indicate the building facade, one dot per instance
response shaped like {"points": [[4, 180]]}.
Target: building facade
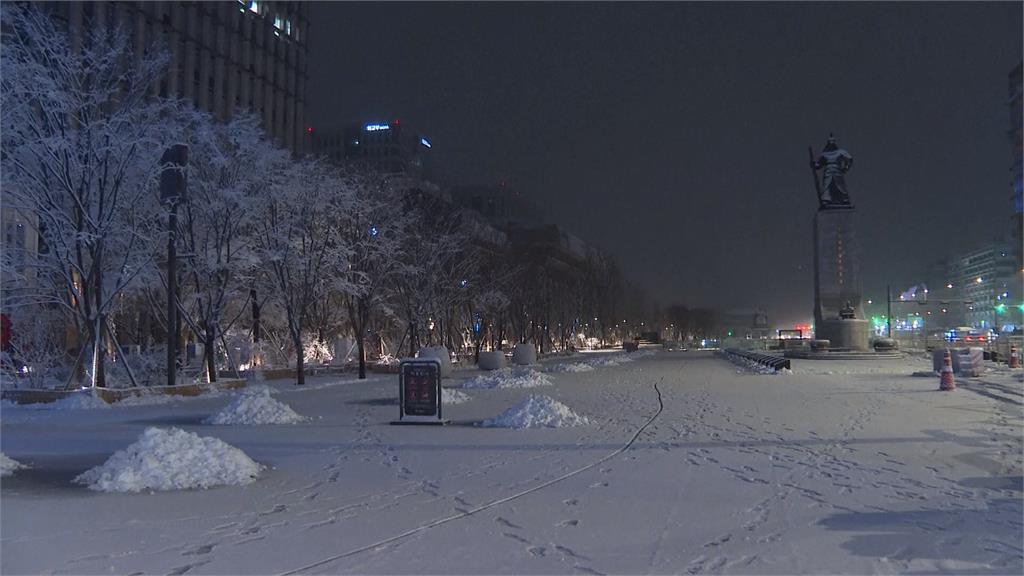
{"points": [[1017, 191], [224, 56], [986, 278], [391, 147]]}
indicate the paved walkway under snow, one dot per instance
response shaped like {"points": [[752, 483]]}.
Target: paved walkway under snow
{"points": [[835, 468]]}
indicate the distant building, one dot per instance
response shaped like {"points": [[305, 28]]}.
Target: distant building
{"points": [[748, 324], [390, 147], [1016, 184], [1017, 195], [986, 277], [502, 205], [242, 54]]}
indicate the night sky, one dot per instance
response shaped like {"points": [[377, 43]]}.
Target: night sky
{"points": [[674, 136]]}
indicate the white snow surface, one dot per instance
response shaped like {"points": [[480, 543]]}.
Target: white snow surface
{"points": [[171, 459], [570, 367], [254, 406], [842, 467], [513, 377], [8, 465], [453, 396], [536, 411]]}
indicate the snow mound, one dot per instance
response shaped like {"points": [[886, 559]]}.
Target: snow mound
{"points": [[9, 465], [520, 377], [536, 412], [171, 459], [571, 367], [253, 407], [610, 361], [450, 396]]}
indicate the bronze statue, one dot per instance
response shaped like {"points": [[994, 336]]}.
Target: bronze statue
{"points": [[836, 162]]}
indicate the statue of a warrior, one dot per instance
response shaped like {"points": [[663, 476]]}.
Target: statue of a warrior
{"points": [[835, 161]]}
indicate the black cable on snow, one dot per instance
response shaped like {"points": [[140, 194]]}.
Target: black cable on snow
{"points": [[481, 508]]}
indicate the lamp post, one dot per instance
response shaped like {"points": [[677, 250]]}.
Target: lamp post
{"points": [[173, 185]]}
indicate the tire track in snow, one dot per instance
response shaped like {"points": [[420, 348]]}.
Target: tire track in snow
{"points": [[492, 504]]}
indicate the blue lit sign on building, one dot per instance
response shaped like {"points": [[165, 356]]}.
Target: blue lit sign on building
{"points": [[376, 127]]}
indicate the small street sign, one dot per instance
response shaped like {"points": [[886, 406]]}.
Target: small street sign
{"points": [[419, 392]]}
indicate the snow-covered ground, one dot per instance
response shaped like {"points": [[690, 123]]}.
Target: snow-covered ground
{"points": [[686, 463]]}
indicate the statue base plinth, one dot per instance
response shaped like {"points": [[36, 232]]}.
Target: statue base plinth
{"points": [[844, 334]]}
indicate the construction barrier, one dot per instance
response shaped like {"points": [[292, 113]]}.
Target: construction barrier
{"points": [[774, 362]]}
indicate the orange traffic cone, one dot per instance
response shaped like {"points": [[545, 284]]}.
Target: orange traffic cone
{"points": [[946, 376], [1013, 356]]}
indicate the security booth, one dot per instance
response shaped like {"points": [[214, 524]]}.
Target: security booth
{"points": [[419, 392]]}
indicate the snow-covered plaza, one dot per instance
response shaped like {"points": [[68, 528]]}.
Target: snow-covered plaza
{"points": [[671, 462]]}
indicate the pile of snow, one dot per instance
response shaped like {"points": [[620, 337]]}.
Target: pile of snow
{"points": [[610, 361], [9, 465], [171, 459], [450, 396], [571, 367], [536, 412], [255, 406], [509, 378]]}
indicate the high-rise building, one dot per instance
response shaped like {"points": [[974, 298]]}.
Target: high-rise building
{"points": [[391, 147], [1016, 183], [224, 56], [986, 277]]}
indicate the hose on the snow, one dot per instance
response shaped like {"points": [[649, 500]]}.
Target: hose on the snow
{"points": [[481, 508]]}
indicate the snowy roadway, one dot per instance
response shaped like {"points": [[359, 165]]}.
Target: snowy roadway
{"points": [[837, 467]]}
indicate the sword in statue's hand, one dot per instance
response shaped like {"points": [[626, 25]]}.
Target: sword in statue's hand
{"points": [[814, 174]]}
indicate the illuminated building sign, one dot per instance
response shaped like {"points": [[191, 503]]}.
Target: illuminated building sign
{"points": [[376, 127], [425, 142]]}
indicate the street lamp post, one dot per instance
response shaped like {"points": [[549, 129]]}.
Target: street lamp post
{"points": [[173, 186]]}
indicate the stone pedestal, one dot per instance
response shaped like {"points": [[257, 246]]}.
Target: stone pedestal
{"points": [[837, 280], [844, 334]]}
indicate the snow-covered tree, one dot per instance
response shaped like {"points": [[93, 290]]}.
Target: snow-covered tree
{"points": [[373, 231], [231, 165], [81, 148], [434, 260], [297, 245]]}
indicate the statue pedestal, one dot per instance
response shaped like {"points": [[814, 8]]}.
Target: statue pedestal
{"points": [[844, 334], [837, 281]]}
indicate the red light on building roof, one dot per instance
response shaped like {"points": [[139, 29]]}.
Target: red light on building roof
{"points": [[396, 122], [309, 129]]}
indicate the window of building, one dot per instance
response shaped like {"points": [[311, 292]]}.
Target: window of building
{"points": [[254, 6]]}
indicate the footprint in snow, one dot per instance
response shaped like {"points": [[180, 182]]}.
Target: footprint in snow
{"points": [[505, 522], [516, 537]]}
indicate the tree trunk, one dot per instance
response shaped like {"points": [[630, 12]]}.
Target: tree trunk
{"points": [[300, 360], [413, 341], [209, 353], [361, 342]]}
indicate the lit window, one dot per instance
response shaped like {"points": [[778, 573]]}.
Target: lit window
{"points": [[254, 6], [278, 22], [288, 27]]}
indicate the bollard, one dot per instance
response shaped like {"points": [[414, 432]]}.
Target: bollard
{"points": [[1013, 356], [946, 376]]}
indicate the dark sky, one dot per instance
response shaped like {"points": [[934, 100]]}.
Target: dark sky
{"points": [[675, 136]]}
